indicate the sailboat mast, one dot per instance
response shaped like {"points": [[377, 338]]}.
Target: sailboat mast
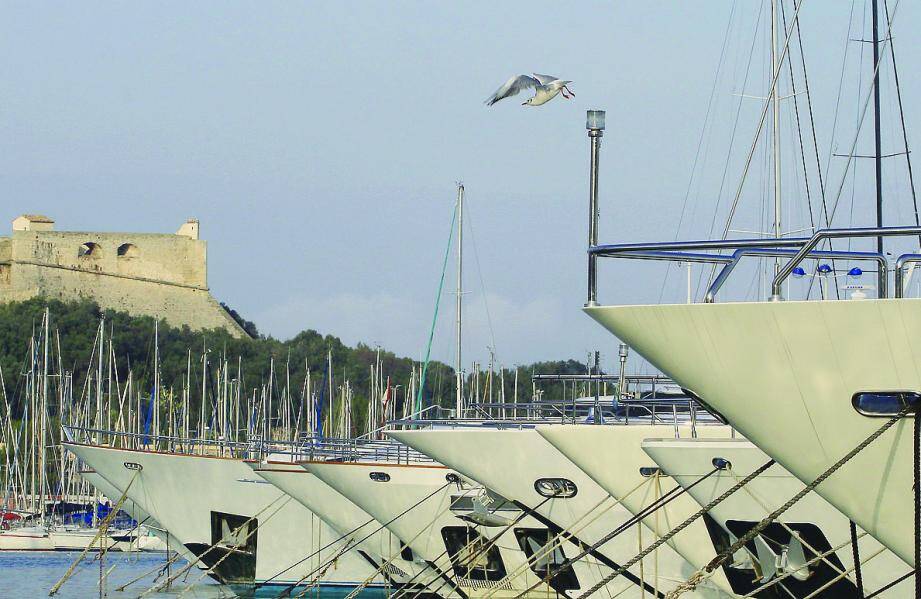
{"points": [[878, 155], [775, 104], [44, 409], [458, 368], [101, 337]]}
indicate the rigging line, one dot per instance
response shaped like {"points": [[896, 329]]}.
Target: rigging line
{"points": [[441, 284], [898, 95], [764, 111], [700, 140], [476, 257], [815, 143], [834, 125], [732, 139], [863, 114]]}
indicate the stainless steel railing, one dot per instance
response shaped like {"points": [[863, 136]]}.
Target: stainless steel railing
{"points": [[796, 249]]}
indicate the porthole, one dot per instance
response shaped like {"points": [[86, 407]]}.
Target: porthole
{"points": [[648, 471], [561, 488], [379, 477], [886, 403]]}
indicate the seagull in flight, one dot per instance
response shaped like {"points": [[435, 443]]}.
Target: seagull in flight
{"points": [[546, 87]]}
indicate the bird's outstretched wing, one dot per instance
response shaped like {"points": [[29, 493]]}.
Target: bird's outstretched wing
{"points": [[512, 87], [545, 79]]}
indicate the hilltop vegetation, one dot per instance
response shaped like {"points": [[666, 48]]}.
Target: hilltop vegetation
{"points": [[76, 326]]}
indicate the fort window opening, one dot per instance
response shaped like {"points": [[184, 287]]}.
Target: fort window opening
{"points": [[127, 250], [90, 249]]}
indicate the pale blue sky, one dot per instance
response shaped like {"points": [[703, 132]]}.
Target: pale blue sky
{"points": [[319, 143]]}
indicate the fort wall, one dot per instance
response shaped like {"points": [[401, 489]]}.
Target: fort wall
{"points": [[149, 274]]}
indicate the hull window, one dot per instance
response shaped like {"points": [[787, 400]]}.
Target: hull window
{"points": [[776, 552], [561, 488], [472, 555], [233, 552], [549, 564], [886, 403], [379, 477]]}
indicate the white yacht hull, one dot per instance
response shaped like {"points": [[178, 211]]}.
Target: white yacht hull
{"points": [[195, 496], [510, 461], [612, 456], [344, 517], [415, 503], [824, 527], [161, 540], [784, 373]]}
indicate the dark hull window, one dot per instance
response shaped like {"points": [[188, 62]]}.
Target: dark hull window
{"points": [[779, 542], [233, 541], [886, 403], [469, 555], [549, 566]]}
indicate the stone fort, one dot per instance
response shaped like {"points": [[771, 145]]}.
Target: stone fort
{"points": [[144, 274]]}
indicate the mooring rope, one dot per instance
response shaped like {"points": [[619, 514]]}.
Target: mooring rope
{"points": [[690, 520], [390, 560], [820, 556], [639, 517], [103, 529], [575, 528], [188, 567], [249, 534], [294, 585], [481, 550], [695, 579]]}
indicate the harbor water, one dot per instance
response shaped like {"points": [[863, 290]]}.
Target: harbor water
{"points": [[31, 574]]}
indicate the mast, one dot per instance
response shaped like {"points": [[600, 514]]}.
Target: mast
{"points": [[102, 332], [458, 369], [775, 105], [878, 155], [156, 408], [42, 423]]}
